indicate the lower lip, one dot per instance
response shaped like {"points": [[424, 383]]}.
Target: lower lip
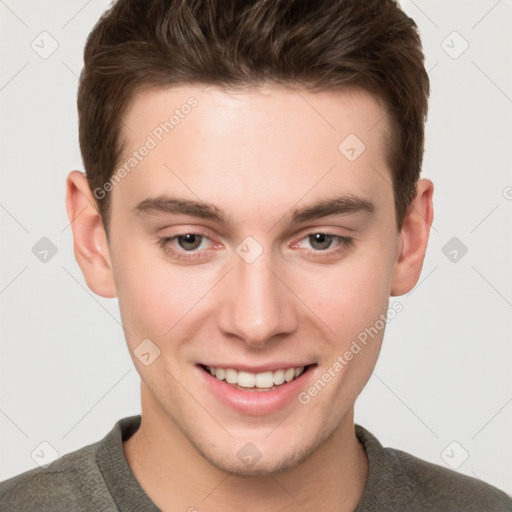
{"points": [[254, 402]]}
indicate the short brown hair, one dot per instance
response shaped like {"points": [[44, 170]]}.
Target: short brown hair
{"points": [[318, 45]]}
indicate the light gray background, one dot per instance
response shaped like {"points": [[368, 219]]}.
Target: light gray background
{"points": [[444, 371]]}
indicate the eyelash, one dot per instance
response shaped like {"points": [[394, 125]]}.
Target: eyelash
{"points": [[345, 243]]}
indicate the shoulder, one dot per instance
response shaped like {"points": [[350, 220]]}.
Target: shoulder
{"points": [[70, 483], [443, 488], [398, 481]]}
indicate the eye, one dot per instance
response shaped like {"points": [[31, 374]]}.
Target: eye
{"points": [[190, 241], [323, 243], [321, 240], [187, 246]]}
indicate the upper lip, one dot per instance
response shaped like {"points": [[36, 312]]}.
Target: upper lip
{"points": [[269, 367]]}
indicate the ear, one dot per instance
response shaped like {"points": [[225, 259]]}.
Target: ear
{"points": [[90, 241], [413, 239]]}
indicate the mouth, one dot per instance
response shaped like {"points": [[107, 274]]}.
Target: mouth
{"points": [[265, 390], [265, 381]]}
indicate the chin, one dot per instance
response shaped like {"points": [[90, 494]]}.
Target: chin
{"points": [[263, 467], [270, 460]]}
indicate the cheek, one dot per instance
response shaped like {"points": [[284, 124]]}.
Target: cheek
{"points": [[350, 295], [153, 294]]}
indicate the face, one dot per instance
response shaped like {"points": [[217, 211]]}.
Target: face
{"points": [[255, 241]]}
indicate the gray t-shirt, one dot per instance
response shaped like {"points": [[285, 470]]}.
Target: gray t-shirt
{"points": [[97, 477]]}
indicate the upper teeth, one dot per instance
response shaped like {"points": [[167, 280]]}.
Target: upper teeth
{"points": [[264, 380]]}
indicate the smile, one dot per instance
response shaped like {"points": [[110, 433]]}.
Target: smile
{"points": [[265, 390], [264, 381]]}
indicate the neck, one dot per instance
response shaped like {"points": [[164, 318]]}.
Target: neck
{"points": [[176, 477]]}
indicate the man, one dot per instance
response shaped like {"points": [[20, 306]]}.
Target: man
{"points": [[252, 199]]}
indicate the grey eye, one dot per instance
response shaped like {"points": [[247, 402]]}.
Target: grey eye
{"points": [[189, 241], [322, 240]]}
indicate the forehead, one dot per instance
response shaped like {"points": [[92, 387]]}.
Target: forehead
{"points": [[266, 107], [263, 144]]}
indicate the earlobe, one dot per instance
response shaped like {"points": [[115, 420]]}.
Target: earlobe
{"points": [[413, 240], [89, 238]]}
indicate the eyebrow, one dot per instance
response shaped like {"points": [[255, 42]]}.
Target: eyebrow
{"points": [[339, 205]]}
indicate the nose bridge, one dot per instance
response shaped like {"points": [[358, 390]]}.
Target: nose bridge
{"points": [[257, 305]]}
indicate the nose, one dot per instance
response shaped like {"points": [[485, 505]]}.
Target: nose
{"points": [[256, 306]]}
